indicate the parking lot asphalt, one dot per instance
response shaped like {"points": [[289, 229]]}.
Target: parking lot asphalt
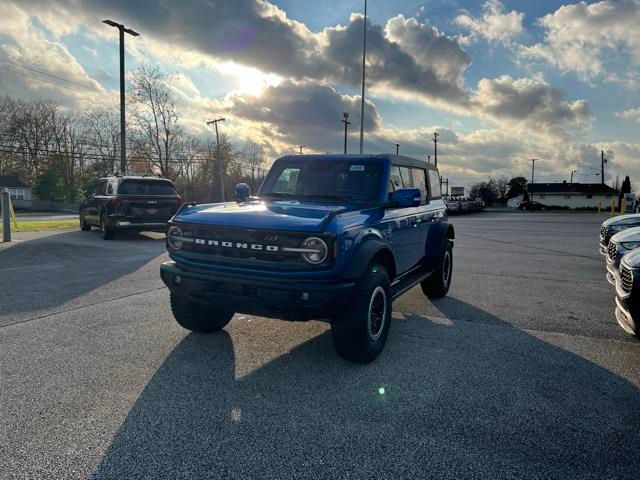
{"points": [[521, 372]]}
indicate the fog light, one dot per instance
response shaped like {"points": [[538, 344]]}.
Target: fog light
{"points": [[177, 279], [305, 296]]}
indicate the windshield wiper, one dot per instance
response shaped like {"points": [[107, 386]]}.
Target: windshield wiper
{"points": [[327, 196], [275, 195]]}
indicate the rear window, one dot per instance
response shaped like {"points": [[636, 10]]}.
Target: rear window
{"points": [[146, 187]]}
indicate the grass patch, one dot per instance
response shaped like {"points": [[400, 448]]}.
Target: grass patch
{"points": [[47, 225]]}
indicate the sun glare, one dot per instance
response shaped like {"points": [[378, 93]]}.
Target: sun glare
{"points": [[249, 80]]}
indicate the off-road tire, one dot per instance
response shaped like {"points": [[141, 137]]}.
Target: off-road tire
{"points": [[106, 232], [361, 333], [437, 285], [84, 226], [199, 317]]}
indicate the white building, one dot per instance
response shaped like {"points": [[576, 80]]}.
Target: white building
{"points": [[573, 195], [19, 191]]}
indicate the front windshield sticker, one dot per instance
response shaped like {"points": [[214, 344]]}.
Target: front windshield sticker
{"points": [[357, 168]]}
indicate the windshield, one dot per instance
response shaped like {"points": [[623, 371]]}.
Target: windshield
{"points": [[325, 180], [146, 187]]}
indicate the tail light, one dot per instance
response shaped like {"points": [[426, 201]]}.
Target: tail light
{"points": [[117, 202], [180, 201]]}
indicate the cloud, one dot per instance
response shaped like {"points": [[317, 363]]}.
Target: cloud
{"points": [[257, 34], [583, 37], [304, 113], [30, 63], [495, 25], [630, 113], [531, 104]]}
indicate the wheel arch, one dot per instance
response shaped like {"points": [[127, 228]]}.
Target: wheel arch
{"points": [[370, 251]]}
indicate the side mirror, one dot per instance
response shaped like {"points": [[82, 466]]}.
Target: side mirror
{"points": [[406, 197], [242, 192]]}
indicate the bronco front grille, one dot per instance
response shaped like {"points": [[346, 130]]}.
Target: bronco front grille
{"points": [[626, 279], [253, 248], [612, 251]]}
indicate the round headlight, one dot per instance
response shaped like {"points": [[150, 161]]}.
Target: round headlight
{"points": [[316, 250], [173, 238]]}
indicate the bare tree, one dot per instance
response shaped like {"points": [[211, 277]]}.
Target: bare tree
{"points": [[155, 117], [34, 124], [502, 186], [255, 163], [103, 135]]}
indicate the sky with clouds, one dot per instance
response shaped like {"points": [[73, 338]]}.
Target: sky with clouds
{"points": [[501, 81]]}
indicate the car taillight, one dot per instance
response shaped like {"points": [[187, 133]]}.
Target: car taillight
{"points": [[117, 202], [180, 201]]}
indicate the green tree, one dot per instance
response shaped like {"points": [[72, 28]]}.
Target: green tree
{"points": [[517, 186], [48, 185]]}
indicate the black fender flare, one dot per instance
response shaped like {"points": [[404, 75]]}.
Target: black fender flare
{"points": [[366, 252], [438, 235]]}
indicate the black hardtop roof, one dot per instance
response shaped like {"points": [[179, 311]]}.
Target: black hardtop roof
{"points": [[394, 159]]}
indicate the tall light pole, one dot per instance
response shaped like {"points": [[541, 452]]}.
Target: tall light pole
{"points": [[572, 172], [533, 170], [603, 160], [397, 149], [218, 157], [346, 122], [300, 147], [123, 146], [364, 60]]}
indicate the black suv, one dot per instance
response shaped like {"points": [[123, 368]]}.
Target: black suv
{"points": [[134, 203]]}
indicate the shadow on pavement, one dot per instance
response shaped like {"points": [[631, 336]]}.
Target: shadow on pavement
{"points": [[460, 400], [55, 268]]}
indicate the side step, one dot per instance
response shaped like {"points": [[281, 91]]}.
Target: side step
{"points": [[408, 281]]}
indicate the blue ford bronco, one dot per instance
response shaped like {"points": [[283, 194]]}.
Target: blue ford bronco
{"points": [[328, 237]]}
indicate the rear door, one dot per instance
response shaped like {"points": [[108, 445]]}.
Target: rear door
{"points": [[402, 224], [148, 201], [95, 201]]}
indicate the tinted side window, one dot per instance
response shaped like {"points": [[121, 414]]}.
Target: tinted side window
{"points": [[101, 187], [420, 181], [405, 173], [434, 184]]}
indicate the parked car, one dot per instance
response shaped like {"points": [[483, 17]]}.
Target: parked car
{"points": [[628, 293], [531, 205], [614, 225], [134, 203], [620, 244], [452, 204], [334, 237]]}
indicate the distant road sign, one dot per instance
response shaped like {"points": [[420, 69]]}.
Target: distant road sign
{"points": [[457, 191]]}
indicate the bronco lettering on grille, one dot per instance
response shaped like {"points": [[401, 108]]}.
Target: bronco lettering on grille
{"points": [[239, 245]]}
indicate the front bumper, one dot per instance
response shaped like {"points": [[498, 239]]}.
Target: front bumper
{"points": [[612, 270], [625, 318], [286, 299]]}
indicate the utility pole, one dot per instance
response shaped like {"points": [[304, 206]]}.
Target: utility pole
{"points": [[435, 147], [533, 169], [219, 158], [397, 149], [444, 182], [364, 59], [602, 162], [300, 147], [346, 122], [123, 146]]}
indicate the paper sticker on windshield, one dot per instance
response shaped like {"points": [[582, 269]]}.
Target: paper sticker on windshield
{"points": [[357, 168]]}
